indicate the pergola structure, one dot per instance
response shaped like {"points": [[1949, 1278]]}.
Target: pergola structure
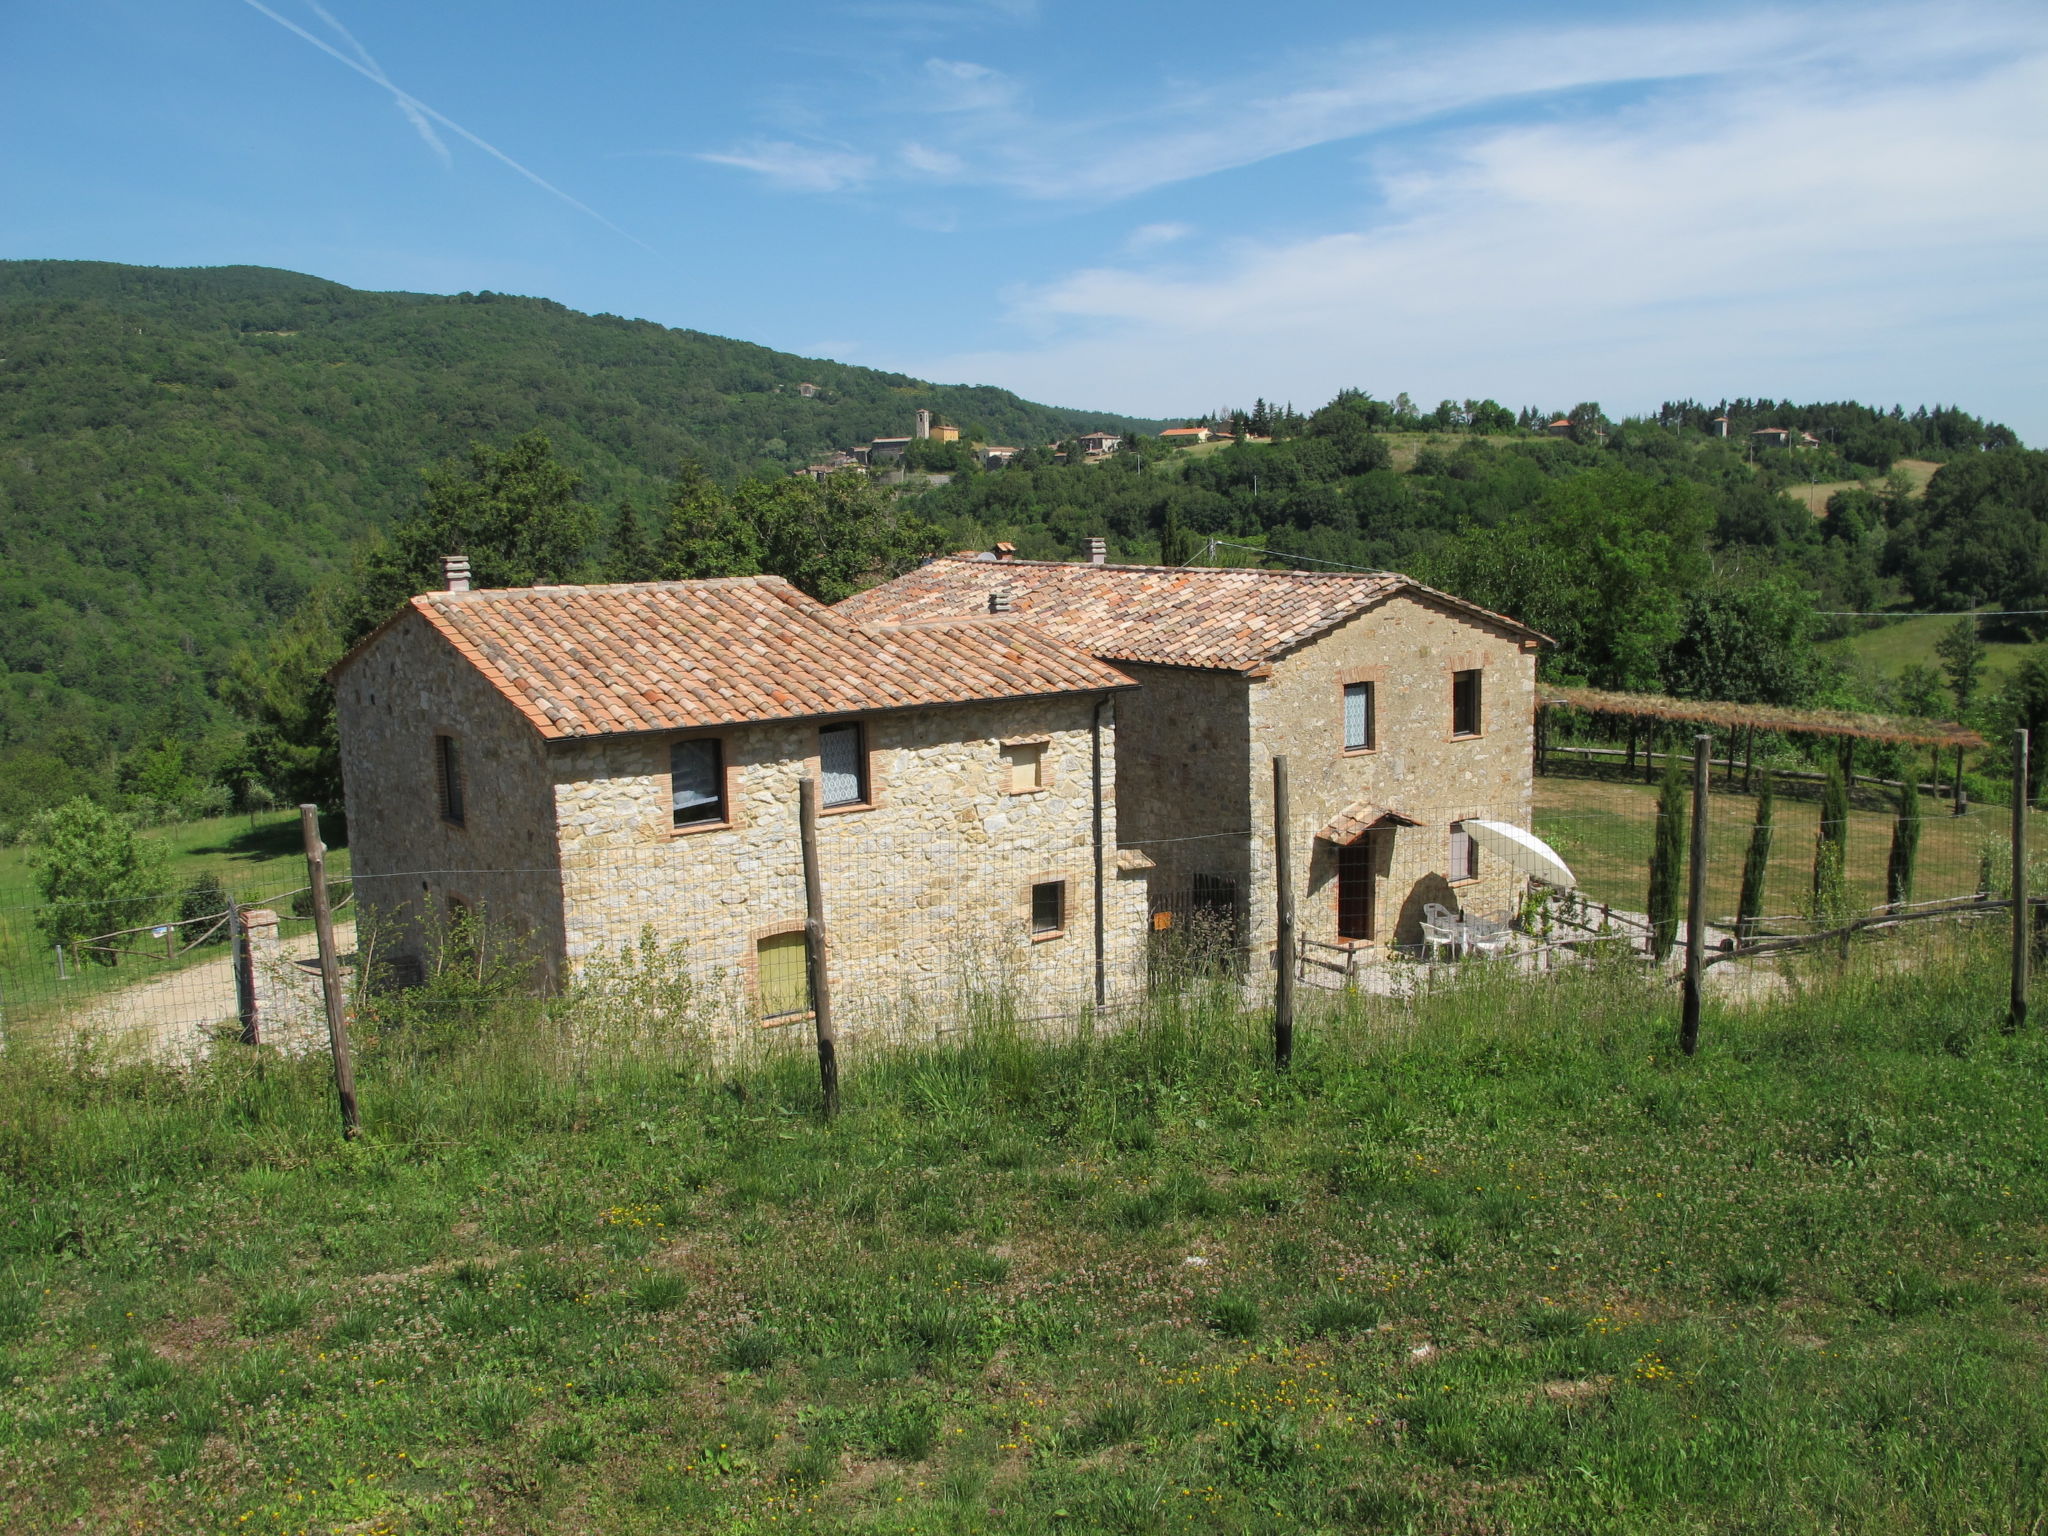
{"points": [[1740, 723]]}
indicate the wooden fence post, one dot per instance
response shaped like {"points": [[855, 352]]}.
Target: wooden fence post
{"points": [[330, 972], [814, 948], [2017, 1014], [1696, 897], [1283, 879], [245, 975]]}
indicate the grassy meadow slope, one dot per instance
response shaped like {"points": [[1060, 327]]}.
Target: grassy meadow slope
{"points": [[1496, 1261], [182, 452]]}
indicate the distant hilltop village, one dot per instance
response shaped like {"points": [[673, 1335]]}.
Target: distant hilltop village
{"points": [[928, 428]]}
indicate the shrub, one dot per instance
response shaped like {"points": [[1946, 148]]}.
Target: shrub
{"points": [[1749, 907], [203, 899], [1667, 860], [94, 874]]}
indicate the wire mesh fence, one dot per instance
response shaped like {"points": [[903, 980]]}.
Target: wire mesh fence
{"points": [[632, 950]]}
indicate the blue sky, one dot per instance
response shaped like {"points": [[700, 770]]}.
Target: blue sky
{"points": [[1150, 208]]}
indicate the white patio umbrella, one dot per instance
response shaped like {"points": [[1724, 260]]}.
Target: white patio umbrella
{"points": [[1522, 849]]}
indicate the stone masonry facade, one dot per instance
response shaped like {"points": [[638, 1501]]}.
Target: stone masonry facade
{"points": [[413, 867], [927, 886], [566, 849]]}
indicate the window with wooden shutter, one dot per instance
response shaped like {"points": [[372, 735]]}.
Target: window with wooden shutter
{"points": [[843, 765], [783, 975], [1464, 854]]}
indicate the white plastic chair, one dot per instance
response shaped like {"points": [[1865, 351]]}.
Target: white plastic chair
{"points": [[1437, 937]]}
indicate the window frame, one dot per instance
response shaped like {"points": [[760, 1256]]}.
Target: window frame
{"points": [[451, 783], [864, 756], [722, 777], [1372, 715], [1478, 686], [801, 934], [1058, 887], [1042, 745]]}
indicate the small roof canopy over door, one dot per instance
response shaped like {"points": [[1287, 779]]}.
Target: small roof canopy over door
{"points": [[1359, 818], [1521, 849]]}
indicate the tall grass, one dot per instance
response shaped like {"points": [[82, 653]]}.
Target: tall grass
{"points": [[1496, 1257]]}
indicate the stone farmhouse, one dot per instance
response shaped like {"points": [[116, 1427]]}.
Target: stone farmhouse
{"points": [[579, 763], [1403, 712]]}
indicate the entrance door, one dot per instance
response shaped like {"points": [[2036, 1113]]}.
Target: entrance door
{"points": [[1355, 889]]}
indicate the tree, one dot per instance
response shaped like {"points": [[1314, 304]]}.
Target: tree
{"points": [[1176, 544], [1756, 866], [1667, 860], [94, 874], [1905, 852], [631, 559], [1604, 563], [1831, 847], [1751, 644], [701, 534], [1962, 661]]}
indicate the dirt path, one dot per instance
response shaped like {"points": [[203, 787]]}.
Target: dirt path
{"points": [[175, 1017]]}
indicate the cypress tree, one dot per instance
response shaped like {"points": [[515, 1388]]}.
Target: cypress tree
{"points": [[1667, 861], [1755, 867], [631, 560], [1898, 875], [1831, 846]]}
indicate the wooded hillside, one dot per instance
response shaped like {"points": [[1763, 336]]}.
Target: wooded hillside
{"points": [[184, 453]]}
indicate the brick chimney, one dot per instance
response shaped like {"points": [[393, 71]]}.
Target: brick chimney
{"points": [[1006, 551], [999, 600], [1098, 551], [455, 572]]}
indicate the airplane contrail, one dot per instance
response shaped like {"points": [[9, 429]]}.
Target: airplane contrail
{"points": [[406, 99], [412, 113]]}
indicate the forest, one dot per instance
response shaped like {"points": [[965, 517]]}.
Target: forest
{"points": [[215, 479], [186, 455]]}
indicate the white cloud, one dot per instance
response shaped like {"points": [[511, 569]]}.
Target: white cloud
{"points": [[797, 167], [1149, 237], [932, 162], [1818, 233], [958, 85], [1346, 91]]}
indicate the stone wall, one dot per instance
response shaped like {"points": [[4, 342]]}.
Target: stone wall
{"points": [[927, 891], [1408, 647], [1185, 748], [410, 863]]}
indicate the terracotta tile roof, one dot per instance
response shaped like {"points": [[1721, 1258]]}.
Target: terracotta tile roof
{"points": [[1183, 431], [655, 656], [1174, 615]]}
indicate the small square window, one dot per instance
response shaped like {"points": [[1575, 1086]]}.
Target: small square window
{"points": [[1024, 766], [1464, 854], [696, 772], [1358, 717], [448, 778], [843, 762], [1048, 908], [1465, 709]]}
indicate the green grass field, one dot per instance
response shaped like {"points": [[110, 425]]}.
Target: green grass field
{"points": [[1891, 648], [1603, 829], [1497, 1261], [253, 857]]}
